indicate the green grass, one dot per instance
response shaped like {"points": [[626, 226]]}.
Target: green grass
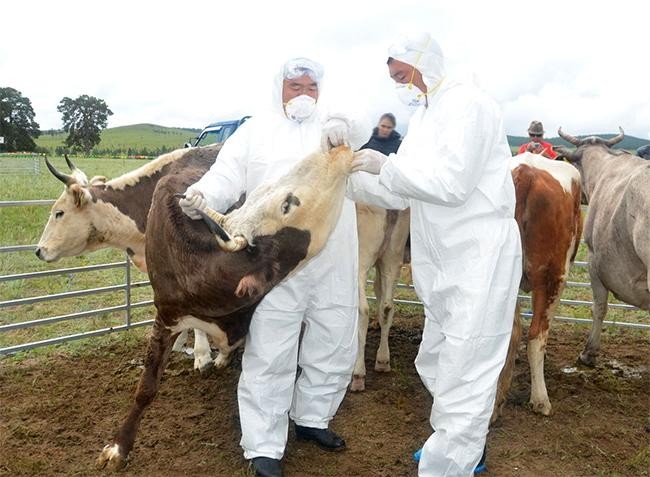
{"points": [[136, 137], [23, 226]]}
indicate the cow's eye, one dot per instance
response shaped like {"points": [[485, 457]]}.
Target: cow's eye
{"points": [[58, 214], [290, 201]]}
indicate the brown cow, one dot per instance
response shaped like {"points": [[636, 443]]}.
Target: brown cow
{"points": [[215, 285], [550, 223]]}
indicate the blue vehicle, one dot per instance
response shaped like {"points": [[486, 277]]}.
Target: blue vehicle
{"points": [[216, 132]]}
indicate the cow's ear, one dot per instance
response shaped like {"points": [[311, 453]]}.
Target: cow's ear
{"points": [[97, 180], [80, 195]]}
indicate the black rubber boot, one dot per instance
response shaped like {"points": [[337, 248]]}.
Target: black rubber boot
{"points": [[266, 467], [324, 438]]}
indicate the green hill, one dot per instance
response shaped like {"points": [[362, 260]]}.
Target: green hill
{"points": [[136, 139]]}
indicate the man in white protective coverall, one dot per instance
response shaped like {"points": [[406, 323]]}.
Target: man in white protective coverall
{"points": [[323, 296], [452, 171]]}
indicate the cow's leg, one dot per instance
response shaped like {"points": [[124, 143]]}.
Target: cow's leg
{"points": [[180, 342], [202, 352], [598, 310], [114, 455], [505, 377], [546, 296], [225, 349], [359, 374], [388, 268]]}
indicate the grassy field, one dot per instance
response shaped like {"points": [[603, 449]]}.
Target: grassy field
{"points": [[136, 137], [23, 225]]}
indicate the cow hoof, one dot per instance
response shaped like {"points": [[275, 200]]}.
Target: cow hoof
{"points": [[203, 364], [543, 408], [221, 361], [358, 383], [587, 360], [111, 458], [382, 366]]}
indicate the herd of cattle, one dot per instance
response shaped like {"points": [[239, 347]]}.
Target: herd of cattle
{"points": [[209, 275]]}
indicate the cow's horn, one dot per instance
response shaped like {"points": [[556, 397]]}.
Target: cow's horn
{"points": [[569, 138], [70, 163], [225, 241], [66, 179], [616, 139]]}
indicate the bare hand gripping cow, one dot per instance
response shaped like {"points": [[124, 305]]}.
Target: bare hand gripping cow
{"points": [[452, 169], [323, 296]]}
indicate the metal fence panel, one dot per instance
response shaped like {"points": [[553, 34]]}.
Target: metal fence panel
{"points": [[128, 286]]}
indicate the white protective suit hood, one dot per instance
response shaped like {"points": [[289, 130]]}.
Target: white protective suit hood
{"points": [[295, 68], [424, 54]]}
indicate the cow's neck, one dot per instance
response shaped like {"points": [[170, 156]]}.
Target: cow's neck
{"points": [[133, 200], [594, 170], [115, 229]]}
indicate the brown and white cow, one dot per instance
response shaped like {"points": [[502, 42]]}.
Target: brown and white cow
{"points": [[549, 218], [616, 185], [96, 214], [214, 282], [382, 237]]}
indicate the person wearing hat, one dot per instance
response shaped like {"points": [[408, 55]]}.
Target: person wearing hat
{"points": [[537, 145], [452, 169], [309, 320]]}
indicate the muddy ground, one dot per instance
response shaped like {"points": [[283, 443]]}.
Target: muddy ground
{"points": [[56, 414]]}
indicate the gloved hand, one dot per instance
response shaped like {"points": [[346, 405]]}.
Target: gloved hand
{"points": [[193, 202], [336, 132], [368, 160]]}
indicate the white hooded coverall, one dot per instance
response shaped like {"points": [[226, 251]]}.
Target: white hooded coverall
{"points": [[452, 170], [323, 295]]}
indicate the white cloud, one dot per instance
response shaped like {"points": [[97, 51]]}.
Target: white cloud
{"points": [[189, 63]]}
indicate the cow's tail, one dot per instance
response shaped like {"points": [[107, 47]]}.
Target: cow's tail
{"points": [[522, 176], [505, 378]]}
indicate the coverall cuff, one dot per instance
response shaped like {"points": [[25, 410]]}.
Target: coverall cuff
{"points": [[320, 424], [251, 454]]}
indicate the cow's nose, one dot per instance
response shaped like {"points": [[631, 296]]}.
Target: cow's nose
{"points": [[38, 252]]}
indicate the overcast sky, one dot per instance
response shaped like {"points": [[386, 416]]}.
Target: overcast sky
{"points": [[187, 63]]}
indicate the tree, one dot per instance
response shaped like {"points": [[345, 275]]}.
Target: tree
{"points": [[83, 120], [17, 123]]}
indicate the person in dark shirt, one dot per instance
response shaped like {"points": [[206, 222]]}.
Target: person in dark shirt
{"points": [[384, 137]]}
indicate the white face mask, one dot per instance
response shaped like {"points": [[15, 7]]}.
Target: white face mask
{"points": [[410, 95], [300, 108]]}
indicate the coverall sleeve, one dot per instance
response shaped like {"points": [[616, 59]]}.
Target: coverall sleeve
{"points": [[364, 187], [446, 169], [225, 181]]}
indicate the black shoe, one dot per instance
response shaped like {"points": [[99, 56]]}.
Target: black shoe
{"points": [[325, 438], [266, 467]]}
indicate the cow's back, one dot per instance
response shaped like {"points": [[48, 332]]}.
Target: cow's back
{"points": [[549, 218]]}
